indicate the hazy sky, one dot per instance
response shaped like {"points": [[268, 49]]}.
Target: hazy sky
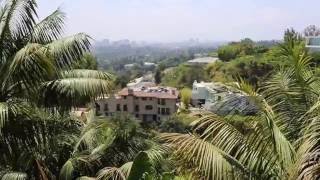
{"points": [[177, 20]]}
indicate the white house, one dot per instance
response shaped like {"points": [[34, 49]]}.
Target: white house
{"points": [[313, 43], [221, 99]]}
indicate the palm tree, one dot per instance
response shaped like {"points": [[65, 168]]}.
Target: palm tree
{"points": [[110, 143], [37, 78], [284, 141]]}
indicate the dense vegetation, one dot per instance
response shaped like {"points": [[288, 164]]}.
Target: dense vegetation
{"points": [[45, 76], [184, 76], [114, 56]]}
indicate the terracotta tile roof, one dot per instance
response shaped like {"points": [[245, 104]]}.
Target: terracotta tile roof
{"points": [[157, 92]]}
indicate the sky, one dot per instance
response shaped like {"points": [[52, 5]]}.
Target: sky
{"points": [[179, 20]]}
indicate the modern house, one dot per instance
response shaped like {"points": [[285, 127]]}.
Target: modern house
{"points": [[313, 43], [202, 61], [221, 99], [145, 103]]}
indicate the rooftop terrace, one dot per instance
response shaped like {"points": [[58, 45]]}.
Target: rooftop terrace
{"points": [[156, 92]]}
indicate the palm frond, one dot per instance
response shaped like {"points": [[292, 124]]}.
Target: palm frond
{"points": [[282, 145], [4, 109], [68, 50], [49, 29], [214, 129], [308, 153], [15, 176], [126, 168], [97, 136], [111, 173], [208, 159], [72, 89], [18, 19], [66, 171], [141, 167], [86, 178], [31, 65], [85, 73]]}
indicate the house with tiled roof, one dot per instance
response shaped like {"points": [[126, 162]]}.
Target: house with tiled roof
{"points": [[145, 103]]}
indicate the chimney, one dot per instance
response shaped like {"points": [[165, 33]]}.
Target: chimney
{"points": [[130, 91], [173, 92]]}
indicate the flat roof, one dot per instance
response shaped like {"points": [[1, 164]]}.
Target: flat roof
{"points": [[313, 41], [204, 60], [156, 92]]}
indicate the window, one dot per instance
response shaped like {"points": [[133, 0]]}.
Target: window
{"points": [[97, 107], [167, 111], [149, 107], [106, 107], [124, 97], [137, 115], [154, 117], [163, 102], [144, 117], [159, 110], [150, 99], [144, 99], [163, 111], [158, 101], [118, 107], [107, 114], [125, 107], [136, 108], [136, 97]]}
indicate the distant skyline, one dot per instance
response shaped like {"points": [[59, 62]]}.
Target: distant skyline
{"points": [[181, 20]]}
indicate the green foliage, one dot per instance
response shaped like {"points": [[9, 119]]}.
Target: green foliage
{"points": [[186, 97], [141, 167], [254, 69], [158, 76], [38, 88], [88, 61], [280, 142], [14, 176], [184, 76], [177, 123], [237, 49], [226, 53]]}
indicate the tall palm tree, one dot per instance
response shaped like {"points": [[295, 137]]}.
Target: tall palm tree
{"points": [[284, 141], [36, 75]]}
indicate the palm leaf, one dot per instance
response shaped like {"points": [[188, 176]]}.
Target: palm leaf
{"points": [[141, 167], [31, 65], [18, 18], [49, 29], [126, 168], [85, 73], [209, 160], [72, 89], [15, 176], [111, 173], [66, 171], [3, 113], [68, 50]]}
